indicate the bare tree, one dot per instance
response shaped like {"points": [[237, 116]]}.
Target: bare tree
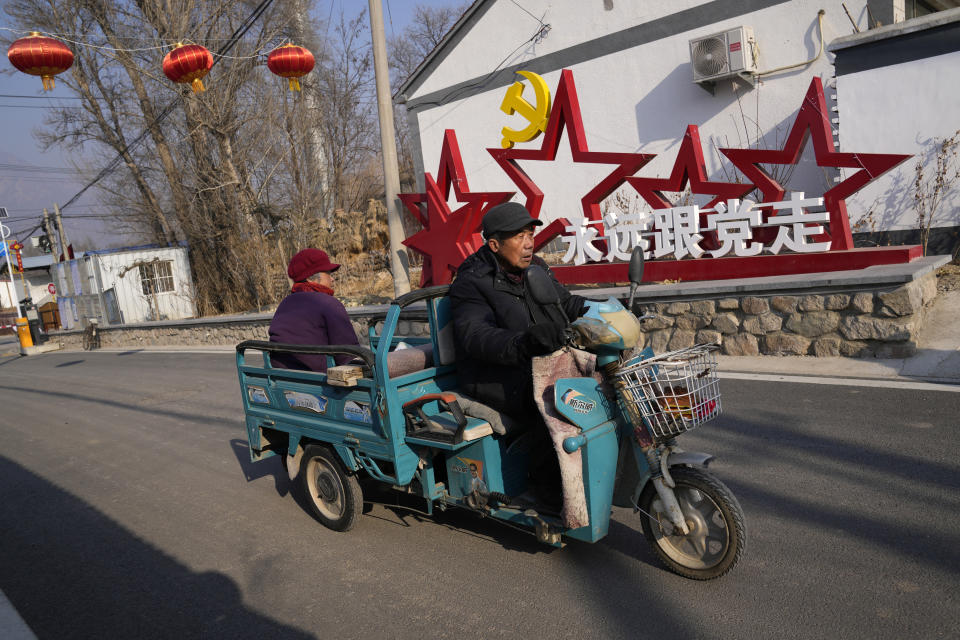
{"points": [[406, 51], [425, 31], [244, 173], [348, 122], [931, 189]]}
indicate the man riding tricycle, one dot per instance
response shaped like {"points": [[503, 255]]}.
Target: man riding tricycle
{"points": [[399, 415]]}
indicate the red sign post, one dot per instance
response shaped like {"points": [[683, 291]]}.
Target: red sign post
{"points": [[16, 246]]}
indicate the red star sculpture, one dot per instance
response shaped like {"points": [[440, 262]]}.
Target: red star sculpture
{"points": [[448, 236], [565, 113], [813, 122], [689, 167]]}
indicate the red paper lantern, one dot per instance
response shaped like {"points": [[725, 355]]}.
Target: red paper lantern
{"points": [[188, 63], [291, 62], [40, 56]]}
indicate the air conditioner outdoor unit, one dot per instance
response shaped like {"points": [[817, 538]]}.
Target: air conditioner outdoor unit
{"points": [[723, 55]]}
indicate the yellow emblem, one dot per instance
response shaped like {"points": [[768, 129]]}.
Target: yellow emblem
{"points": [[537, 116]]}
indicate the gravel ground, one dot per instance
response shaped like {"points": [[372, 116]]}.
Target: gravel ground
{"points": [[948, 277]]}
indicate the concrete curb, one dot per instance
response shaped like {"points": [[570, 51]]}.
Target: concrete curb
{"points": [[922, 367]]}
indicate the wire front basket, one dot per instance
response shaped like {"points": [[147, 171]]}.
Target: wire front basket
{"points": [[675, 391]]}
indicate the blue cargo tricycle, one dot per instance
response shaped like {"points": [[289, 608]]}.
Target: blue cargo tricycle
{"points": [[408, 430]]}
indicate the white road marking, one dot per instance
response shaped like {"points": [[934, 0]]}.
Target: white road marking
{"points": [[849, 382]]}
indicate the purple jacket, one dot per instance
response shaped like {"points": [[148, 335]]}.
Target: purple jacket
{"points": [[310, 317]]}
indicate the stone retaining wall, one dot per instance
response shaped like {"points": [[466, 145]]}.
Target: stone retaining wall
{"points": [[221, 332], [813, 315], [880, 322]]}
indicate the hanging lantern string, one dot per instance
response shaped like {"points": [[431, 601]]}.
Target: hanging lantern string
{"points": [[62, 37], [240, 31]]}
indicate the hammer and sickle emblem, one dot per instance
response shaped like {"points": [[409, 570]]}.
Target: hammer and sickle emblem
{"points": [[537, 116]]}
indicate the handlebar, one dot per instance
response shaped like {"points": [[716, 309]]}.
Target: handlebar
{"points": [[421, 294], [418, 422]]}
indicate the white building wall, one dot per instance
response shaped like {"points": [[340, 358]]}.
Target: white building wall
{"points": [[9, 293], [903, 107], [641, 99], [506, 28], [119, 271], [36, 281]]}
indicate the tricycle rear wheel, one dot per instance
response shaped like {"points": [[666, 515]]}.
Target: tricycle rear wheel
{"points": [[717, 536], [334, 494]]}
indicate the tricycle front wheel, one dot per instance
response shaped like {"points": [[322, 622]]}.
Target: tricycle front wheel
{"points": [[717, 535], [333, 493]]}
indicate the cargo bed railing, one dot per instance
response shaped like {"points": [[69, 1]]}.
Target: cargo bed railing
{"points": [[365, 354]]}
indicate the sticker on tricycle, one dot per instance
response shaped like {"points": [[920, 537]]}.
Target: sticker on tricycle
{"points": [[357, 412], [470, 467], [257, 395], [577, 401], [306, 401]]}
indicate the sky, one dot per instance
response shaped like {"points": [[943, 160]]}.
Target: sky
{"points": [[32, 179]]}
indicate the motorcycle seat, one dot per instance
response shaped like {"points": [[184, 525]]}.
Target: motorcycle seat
{"points": [[501, 423]]}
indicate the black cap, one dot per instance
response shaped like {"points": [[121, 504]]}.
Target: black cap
{"points": [[509, 216]]}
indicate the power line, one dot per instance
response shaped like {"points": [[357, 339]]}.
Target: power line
{"points": [[12, 95], [32, 168], [536, 37], [528, 13], [38, 106]]}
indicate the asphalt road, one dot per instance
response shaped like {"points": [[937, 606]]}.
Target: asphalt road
{"points": [[129, 509]]}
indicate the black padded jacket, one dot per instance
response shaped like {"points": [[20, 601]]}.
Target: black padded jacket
{"points": [[491, 312]]}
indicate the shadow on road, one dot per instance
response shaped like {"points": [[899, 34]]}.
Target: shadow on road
{"points": [[255, 470], [72, 572], [904, 479], [70, 363], [9, 359], [614, 560]]}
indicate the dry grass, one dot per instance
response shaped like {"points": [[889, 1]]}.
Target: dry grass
{"points": [[360, 242], [948, 277]]}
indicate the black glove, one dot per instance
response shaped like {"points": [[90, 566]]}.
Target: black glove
{"points": [[543, 338]]}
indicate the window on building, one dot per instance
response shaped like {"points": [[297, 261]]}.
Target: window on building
{"points": [[156, 277]]}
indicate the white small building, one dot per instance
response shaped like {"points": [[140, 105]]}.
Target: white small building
{"points": [[36, 277], [124, 286]]}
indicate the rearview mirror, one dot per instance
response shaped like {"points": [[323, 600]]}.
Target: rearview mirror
{"points": [[635, 273], [541, 286], [635, 270]]}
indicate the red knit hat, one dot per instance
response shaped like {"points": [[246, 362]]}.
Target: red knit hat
{"points": [[308, 262]]}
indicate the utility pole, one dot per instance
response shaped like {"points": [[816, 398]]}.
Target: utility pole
{"points": [[391, 170], [54, 244], [65, 247], [64, 241]]}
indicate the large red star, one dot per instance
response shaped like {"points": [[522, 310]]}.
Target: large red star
{"points": [[689, 167], [438, 239], [565, 114], [448, 236], [813, 122]]}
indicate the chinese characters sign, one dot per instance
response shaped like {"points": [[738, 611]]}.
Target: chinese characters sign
{"points": [[780, 232], [676, 231]]}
